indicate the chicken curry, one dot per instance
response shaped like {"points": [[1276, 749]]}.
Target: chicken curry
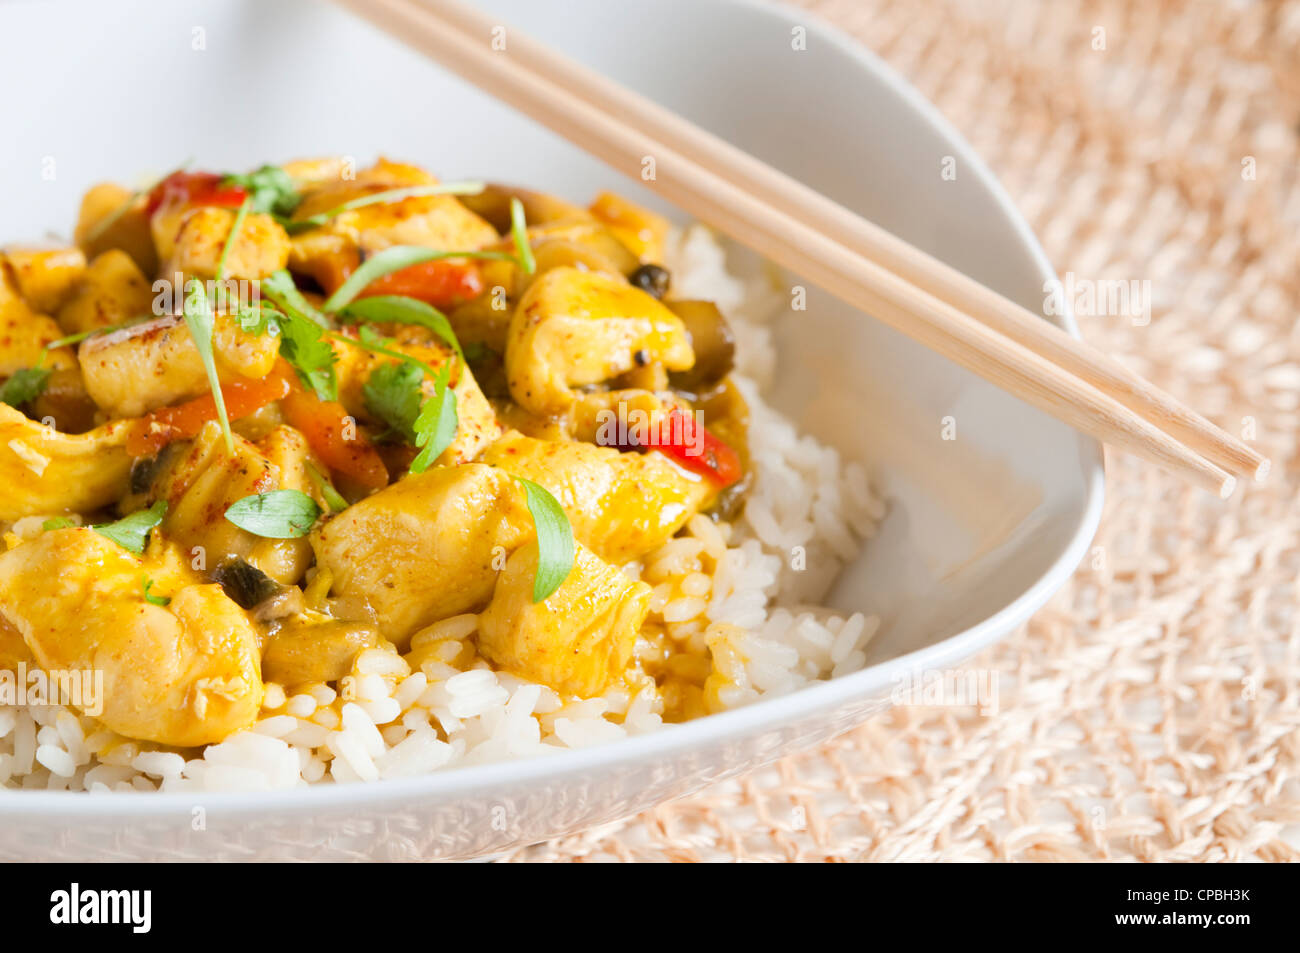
{"points": [[253, 424]]}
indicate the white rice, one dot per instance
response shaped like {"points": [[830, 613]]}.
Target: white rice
{"points": [[740, 598]]}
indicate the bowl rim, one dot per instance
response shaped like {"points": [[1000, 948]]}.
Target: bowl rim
{"points": [[766, 713]]}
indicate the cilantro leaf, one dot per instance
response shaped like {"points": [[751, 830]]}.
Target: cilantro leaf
{"points": [[303, 345], [57, 522], [394, 395], [200, 320], [279, 514], [279, 287], [302, 336], [435, 427], [132, 532], [24, 385], [555, 548], [270, 189]]}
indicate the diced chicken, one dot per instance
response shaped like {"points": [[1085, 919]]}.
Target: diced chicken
{"points": [[341, 243], [113, 217], [44, 471], [579, 639], [621, 505], [260, 248], [574, 328], [428, 547], [46, 277], [24, 333], [134, 370], [203, 482], [13, 650], [640, 229], [186, 674], [111, 291]]}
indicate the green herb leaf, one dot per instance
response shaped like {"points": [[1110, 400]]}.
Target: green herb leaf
{"points": [[58, 522], [398, 309], [153, 600], [302, 336], [259, 319], [435, 428], [393, 394], [200, 319], [303, 345], [519, 231], [384, 198], [234, 233], [333, 498], [270, 189], [24, 385], [132, 532], [279, 287], [395, 259], [279, 514], [555, 549]]}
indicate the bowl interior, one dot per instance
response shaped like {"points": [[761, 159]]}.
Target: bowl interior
{"points": [[985, 492]]}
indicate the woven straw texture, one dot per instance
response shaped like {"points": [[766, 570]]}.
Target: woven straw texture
{"points": [[1150, 712]]}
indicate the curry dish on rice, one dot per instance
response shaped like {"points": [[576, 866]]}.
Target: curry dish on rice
{"points": [[257, 425]]}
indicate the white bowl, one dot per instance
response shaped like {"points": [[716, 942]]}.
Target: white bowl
{"points": [[981, 529]]}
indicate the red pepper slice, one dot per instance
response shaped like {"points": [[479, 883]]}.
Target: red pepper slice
{"points": [[155, 430], [195, 188], [686, 440], [443, 283], [334, 437]]}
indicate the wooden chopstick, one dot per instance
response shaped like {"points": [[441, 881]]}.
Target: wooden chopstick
{"points": [[941, 280], [714, 197]]}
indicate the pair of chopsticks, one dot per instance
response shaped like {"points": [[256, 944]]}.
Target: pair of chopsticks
{"points": [[807, 233]]}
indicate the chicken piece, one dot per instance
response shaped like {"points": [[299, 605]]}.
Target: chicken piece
{"points": [[200, 485], [312, 648], [13, 650], [24, 334], [477, 426], [434, 221], [586, 245], [621, 505], [310, 173], [111, 291], [136, 369], [44, 471], [638, 228], [579, 639], [574, 328], [186, 674], [260, 248], [45, 277], [113, 217], [425, 548]]}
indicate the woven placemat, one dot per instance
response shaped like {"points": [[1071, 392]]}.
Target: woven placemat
{"points": [[1151, 711]]}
